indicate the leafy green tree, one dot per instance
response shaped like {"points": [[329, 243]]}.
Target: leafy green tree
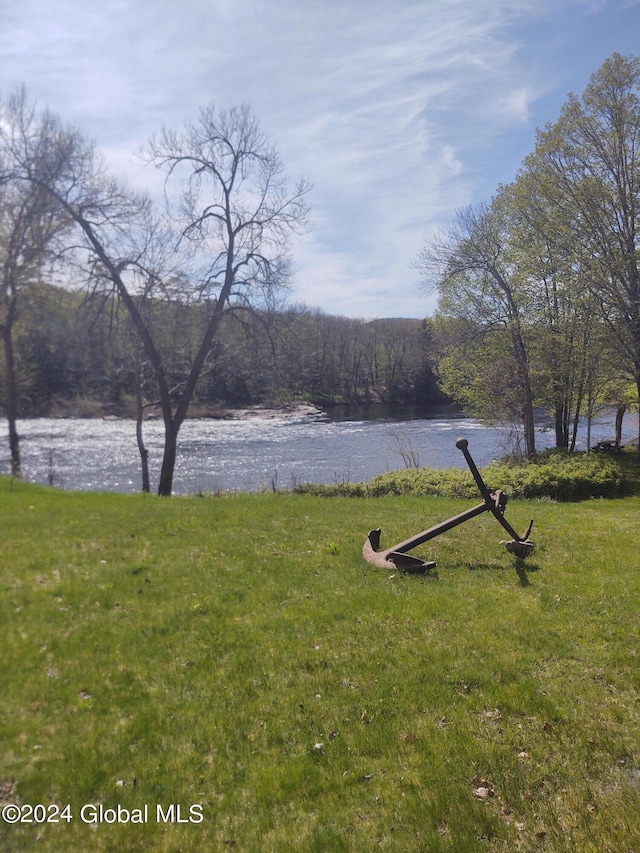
{"points": [[476, 368], [557, 301], [588, 165], [553, 261], [479, 287]]}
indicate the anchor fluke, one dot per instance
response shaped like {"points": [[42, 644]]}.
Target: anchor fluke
{"points": [[518, 547], [392, 559]]}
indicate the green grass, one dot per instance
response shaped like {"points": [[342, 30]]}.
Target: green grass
{"points": [[238, 653]]}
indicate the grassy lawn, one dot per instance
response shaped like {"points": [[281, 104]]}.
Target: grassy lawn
{"points": [[238, 655]]}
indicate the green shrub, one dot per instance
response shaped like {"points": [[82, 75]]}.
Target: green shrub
{"points": [[333, 490], [553, 475], [560, 476], [444, 482]]}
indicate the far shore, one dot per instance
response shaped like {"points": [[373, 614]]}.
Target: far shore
{"points": [[286, 410], [91, 410], [86, 409]]}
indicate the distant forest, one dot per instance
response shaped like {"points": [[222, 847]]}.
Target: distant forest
{"points": [[77, 355]]}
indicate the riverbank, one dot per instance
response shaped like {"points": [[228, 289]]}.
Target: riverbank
{"points": [[88, 408], [85, 408], [285, 410]]}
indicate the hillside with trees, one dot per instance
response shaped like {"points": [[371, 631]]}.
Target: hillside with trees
{"points": [[80, 356]]}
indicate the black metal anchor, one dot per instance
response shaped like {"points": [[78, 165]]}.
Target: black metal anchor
{"points": [[493, 502]]}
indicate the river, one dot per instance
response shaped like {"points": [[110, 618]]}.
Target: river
{"points": [[261, 452]]}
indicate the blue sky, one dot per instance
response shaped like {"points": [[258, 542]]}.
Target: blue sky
{"points": [[398, 111]]}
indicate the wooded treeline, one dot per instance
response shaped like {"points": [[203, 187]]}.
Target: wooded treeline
{"points": [[80, 356]]}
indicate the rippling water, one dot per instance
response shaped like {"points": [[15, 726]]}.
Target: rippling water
{"points": [[253, 454]]}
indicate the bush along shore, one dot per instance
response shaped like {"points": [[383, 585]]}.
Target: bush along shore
{"points": [[552, 475]]}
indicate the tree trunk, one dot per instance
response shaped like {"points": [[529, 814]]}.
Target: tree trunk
{"points": [[574, 431], [576, 417], [620, 410], [173, 422], [638, 387], [11, 399], [168, 459], [562, 431], [144, 453], [528, 422]]}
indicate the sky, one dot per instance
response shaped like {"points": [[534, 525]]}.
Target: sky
{"points": [[399, 112]]}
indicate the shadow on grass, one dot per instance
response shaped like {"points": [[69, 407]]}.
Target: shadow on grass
{"points": [[521, 566], [522, 570]]}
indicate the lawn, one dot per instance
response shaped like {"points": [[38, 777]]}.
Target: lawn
{"points": [[227, 673]]}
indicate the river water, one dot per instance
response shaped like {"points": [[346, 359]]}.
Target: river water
{"points": [[261, 452]]}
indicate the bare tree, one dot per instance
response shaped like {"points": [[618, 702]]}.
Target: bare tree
{"points": [[235, 215], [29, 224]]}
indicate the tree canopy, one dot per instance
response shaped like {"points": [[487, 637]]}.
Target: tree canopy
{"points": [[539, 289]]}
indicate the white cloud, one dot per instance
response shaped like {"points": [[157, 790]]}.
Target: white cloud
{"points": [[450, 162], [517, 104], [398, 112]]}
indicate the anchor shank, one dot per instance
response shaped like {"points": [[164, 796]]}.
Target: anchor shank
{"points": [[463, 445], [503, 521], [437, 529], [495, 502]]}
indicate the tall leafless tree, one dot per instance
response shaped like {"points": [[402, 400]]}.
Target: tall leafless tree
{"points": [[237, 212], [224, 243], [29, 225]]}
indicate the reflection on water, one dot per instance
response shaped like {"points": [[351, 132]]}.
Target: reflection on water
{"points": [[258, 453]]}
